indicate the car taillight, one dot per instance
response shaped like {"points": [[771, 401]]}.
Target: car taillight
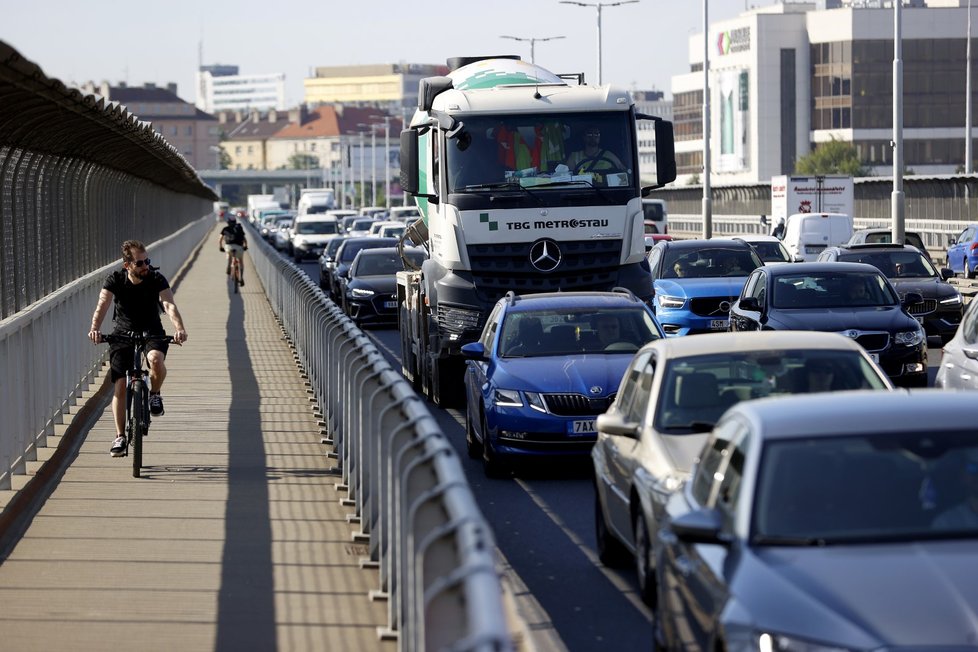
{"points": [[974, 245]]}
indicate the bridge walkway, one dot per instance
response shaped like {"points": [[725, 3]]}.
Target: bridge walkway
{"points": [[234, 538]]}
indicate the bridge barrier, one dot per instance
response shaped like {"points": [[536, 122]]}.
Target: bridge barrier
{"points": [[46, 360], [434, 551]]}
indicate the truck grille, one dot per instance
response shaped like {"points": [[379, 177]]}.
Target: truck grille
{"points": [[585, 265], [928, 306], [572, 405], [710, 306]]}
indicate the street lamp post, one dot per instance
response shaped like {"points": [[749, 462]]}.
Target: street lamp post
{"points": [[896, 199], [533, 41], [967, 100], [387, 162], [373, 163], [598, 6], [363, 192], [707, 199]]}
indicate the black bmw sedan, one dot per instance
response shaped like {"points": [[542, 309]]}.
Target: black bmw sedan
{"points": [[853, 299]]}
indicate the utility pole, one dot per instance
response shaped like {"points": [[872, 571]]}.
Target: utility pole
{"points": [[387, 162], [373, 163], [897, 199]]}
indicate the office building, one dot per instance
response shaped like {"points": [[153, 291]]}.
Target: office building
{"points": [[787, 77], [387, 86], [222, 88]]}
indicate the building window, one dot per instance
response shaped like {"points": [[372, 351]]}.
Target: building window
{"points": [[237, 149], [174, 130], [189, 131], [251, 149], [687, 113]]}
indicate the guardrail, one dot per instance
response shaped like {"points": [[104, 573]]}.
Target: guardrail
{"points": [[46, 361], [434, 551]]}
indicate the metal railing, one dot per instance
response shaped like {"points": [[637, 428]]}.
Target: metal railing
{"points": [[434, 550], [46, 360]]}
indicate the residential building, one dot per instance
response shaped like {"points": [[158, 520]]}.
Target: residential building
{"points": [[787, 77], [389, 86], [192, 132], [246, 136], [222, 88]]}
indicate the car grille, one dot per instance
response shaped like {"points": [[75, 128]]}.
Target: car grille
{"points": [[378, 302], [928, 306], [570, 405], [585, 265], [710, 306], [873, 341]]}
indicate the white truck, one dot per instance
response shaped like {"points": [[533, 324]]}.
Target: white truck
{"points": [[260, 202], [810, 194], [526, 181], [316, 200]]}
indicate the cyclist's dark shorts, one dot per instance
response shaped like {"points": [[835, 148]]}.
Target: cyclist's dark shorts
{"points": [[120, 357]]}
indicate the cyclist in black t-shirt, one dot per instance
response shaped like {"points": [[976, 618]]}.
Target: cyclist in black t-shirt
{"points": [[233, 241], [138, 291]]}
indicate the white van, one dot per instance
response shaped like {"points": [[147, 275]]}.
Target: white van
{"points": [[311, 203], [806, 235], [656, 216]]}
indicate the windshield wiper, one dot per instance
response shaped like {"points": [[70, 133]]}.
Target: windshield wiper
{"points": [[499, 185], [779, 540]]}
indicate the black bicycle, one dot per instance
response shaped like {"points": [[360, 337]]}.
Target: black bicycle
{"points": [[137, 392]]}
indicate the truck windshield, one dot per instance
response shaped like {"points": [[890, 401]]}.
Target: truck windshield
{"points": [[543, 151]]}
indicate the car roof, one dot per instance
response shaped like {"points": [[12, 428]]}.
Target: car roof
{"points": [[757, 237], [595, 300], [709, 343], [386, 251], [859, 412], [700, 243], [795, 269]]}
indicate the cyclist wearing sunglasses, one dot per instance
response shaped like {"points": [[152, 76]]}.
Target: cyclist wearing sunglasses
{"points": [[137, 291]]}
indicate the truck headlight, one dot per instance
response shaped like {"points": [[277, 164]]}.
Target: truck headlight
{"points": [[670, 302]]}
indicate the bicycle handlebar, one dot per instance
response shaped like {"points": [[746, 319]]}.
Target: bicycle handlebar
{"points": [[132, 338]]}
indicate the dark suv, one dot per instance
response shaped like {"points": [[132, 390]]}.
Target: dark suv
{"points": [[910, 271]]}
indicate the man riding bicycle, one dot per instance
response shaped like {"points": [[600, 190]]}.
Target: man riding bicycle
{"points": [[233, 241], [138, 291]]}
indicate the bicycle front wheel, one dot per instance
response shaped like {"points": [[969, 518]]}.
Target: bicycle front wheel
{"points": [[139, 423]]}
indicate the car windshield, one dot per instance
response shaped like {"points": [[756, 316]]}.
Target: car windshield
{"points": [[894, 264], [350, 251], [867, 488], [362, 225], [557, 332], [331, 247], [771, 252], [697, 390], [832, 290], [542, 150], [385, 264], [709, 262], [315, 228]]}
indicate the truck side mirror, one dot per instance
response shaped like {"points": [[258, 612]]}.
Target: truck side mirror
{"points": [[409, 161], [665, 153]]}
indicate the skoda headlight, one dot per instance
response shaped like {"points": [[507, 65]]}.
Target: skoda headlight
{"points": [[910, 338], [360, 293], [780, 643], [536, 401], [952, 301], [508, 398], [670, 302]]}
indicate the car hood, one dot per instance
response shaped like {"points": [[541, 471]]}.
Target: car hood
{"points": [[577, 374], [726, 286], [682, 450], [929, 288], [901, 594], [314, 239], [885, 318], [384, 284]]}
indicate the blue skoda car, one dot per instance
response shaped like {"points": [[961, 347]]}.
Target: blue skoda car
{"points": [[696, 282], [544, 368]]}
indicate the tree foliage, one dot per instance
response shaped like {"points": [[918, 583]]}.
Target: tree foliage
{"points": [[302, 161], [833, 157]]}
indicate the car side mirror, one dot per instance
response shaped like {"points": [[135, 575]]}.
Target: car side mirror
{"points": [[970, 352], [797, 259], [699, 526], [750, 303], [946, 273], [474, 351], [912, 299], [613, 424]]}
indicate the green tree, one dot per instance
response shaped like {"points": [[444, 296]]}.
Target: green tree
{"points": [[223, 159], [303, 161], [833, 157]]}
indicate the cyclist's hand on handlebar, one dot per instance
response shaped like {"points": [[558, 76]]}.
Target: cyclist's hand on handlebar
{"points": [[179, 337], [95, 336]]}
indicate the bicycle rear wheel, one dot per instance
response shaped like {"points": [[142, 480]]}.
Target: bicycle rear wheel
{"points": [[138, 423]]}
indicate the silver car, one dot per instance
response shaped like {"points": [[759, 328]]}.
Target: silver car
{"points": [[827, 522], [959, 364], [671, 396]]}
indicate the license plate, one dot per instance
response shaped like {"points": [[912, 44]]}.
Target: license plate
{"points": [[813, 250], [390, 304], [582, 427], [875, 357], [920, 320], [718, 324]]}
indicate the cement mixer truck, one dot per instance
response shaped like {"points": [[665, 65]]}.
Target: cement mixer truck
{"points": [[527, 181]]}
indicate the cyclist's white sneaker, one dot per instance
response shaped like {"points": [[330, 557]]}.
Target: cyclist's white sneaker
{"points": [[155, 405], [118, 447]]}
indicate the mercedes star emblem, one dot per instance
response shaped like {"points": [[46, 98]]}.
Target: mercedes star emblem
{"points": [[545, 255]]}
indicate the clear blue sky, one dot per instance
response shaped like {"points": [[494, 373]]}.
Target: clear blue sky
{"points": [[644, 44]]}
